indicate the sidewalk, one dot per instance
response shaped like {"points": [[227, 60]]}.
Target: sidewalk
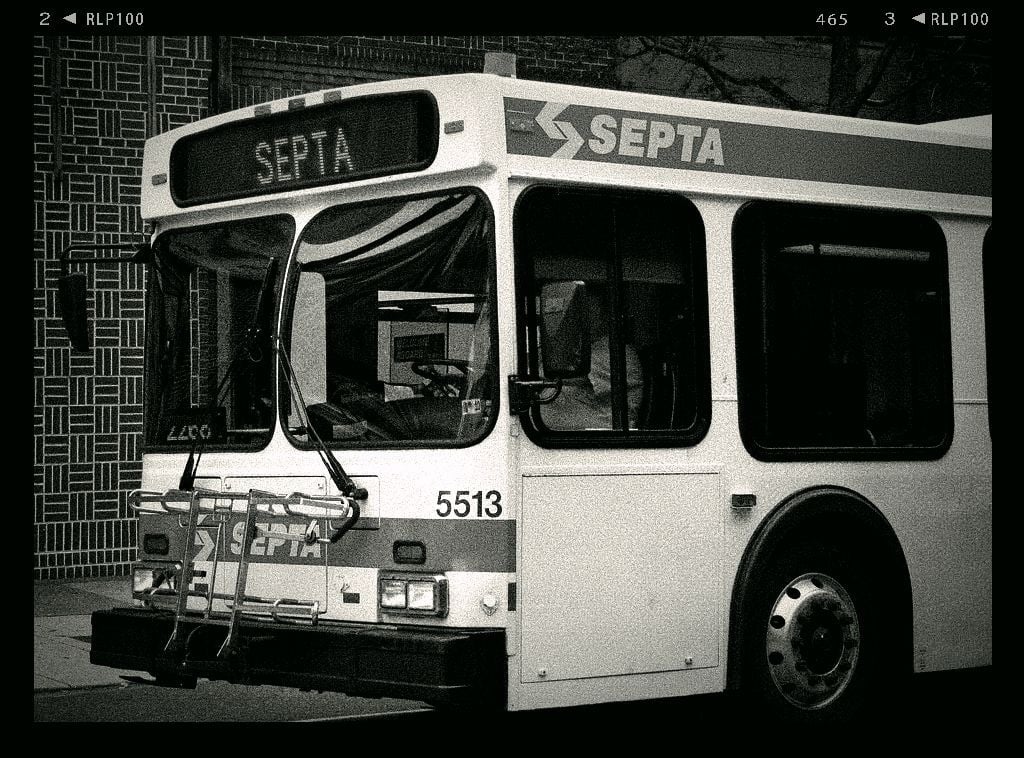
{"points": [[61, 612]]}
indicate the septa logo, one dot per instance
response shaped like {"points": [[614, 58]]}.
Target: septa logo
{"points": [[269, 546], [652, 138]]}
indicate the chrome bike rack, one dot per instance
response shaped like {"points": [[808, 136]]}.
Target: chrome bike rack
{"points": [[193, 503]]}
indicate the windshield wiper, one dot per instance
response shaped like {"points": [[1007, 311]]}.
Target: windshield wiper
{"points": [[345, 484], [250, 345]]}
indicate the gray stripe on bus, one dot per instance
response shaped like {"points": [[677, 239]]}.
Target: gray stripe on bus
{"points": [[452, 544], [772, 151]]}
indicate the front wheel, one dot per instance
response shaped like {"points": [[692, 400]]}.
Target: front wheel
{"points": [[821, 639]]}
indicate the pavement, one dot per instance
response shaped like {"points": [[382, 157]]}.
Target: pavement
{"points": [[62, 632]]}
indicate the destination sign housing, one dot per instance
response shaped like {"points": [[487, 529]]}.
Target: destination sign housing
{"points": [[335, 142]]}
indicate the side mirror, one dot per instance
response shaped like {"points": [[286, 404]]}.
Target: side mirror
{"points": [[564, 330], [71, 290]]}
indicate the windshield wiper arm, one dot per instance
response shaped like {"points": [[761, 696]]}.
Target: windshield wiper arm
{"points": [[345, 484]]}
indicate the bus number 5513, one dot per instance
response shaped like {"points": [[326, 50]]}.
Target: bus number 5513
{"points": [[463, 504]]}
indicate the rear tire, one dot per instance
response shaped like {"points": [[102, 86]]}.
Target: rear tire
{"points": [[821, 634]]}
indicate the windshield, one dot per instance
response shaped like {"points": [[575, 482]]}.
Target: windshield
{"points": [[392, 331], [210, 303]]}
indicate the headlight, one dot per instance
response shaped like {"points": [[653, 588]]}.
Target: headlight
{"points": [[392, 593], [147, 578], [413, 594], [421, 596]]}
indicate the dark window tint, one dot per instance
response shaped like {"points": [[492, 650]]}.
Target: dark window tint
{"points": [[612, 298], [843, 333]]}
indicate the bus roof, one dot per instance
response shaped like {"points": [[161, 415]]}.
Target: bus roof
{"points": [[500, 123], [979, 125]]}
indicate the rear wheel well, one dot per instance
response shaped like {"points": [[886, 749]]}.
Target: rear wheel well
{"points": [[830, 519]]}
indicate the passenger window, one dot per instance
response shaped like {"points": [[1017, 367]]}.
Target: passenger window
{"points": [[614, 307], [843, 333]]}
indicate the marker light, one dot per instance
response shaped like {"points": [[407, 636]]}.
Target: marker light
{"points": [[413, 594], [157, 544]]}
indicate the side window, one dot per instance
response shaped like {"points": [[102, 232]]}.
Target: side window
{"points": [[842, 325], [613, 304]]}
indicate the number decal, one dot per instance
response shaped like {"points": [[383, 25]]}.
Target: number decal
{"points": [[487, 504], [188, 432], [495, 497], [44, 19], [443, 500]]}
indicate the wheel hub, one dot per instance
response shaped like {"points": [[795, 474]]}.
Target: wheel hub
{"points": [[812, 641]]}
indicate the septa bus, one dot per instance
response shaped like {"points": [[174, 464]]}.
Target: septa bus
{"points": [[490, 392]]}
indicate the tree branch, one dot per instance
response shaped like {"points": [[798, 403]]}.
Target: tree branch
{"points": [[727, 84], [875, 75]]}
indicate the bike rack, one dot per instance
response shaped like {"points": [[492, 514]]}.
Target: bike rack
{"points": [[194, 503]]}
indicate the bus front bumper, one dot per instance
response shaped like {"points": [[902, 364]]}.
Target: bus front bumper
{"points": [[438, 666]]}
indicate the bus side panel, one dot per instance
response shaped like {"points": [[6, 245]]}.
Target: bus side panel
{"points": [[945, 526], [940, 511]]}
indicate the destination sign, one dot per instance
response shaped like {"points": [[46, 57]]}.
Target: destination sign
{"points": [[336, 142]]}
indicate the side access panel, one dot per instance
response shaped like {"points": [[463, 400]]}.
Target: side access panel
{"points": [[620, 574]]}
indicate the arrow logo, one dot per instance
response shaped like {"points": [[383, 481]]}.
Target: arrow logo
{"points": [[559, 130], [205, 540], [919, 18], [73, 18]]}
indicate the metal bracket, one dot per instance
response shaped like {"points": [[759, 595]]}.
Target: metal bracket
{"points": [[525, 393]]}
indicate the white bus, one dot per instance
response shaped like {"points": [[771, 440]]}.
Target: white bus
{"points": [[490, 392]]}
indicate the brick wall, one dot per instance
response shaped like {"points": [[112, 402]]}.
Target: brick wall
{"points": [[93, 108], [265, 68]]}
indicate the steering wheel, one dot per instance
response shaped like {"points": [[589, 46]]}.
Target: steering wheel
{"points": [[449, 385]]}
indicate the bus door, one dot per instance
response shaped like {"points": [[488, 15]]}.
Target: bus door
{"points": [[620, 532]]}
